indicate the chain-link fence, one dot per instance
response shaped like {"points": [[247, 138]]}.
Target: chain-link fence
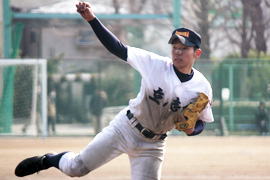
{"points": [[88, 94], [238, 87]]}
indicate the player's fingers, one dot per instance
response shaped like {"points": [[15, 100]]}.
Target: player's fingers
{"points": [[81, 6], [84, 6], [85, 10], [87, 5], [78, 6], [78, 11]]}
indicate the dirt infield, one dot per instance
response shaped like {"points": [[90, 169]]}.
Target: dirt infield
{"points": [[187, 158]]}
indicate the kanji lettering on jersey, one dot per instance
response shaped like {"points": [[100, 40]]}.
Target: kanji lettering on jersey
{"points": [[158, 94], [175, 105]]}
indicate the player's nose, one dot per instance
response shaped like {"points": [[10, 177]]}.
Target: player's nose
{"points": [[178, 51]]}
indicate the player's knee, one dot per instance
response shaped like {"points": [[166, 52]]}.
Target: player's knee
{"points": [[78, 171], [72, 165]]}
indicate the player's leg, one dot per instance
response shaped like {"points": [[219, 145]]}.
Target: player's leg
{"points": [[146, 164], [53, 122], [264, 129], [145, 168], [261, 129], [104, 147], [49, 124]]}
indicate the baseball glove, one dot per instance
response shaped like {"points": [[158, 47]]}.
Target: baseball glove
{"points": [[191, 113]]}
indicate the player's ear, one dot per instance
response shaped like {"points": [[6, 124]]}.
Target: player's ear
{"points": [[197, 53]]}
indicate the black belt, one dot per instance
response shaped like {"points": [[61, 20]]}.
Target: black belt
{"points": [[144, 131]]}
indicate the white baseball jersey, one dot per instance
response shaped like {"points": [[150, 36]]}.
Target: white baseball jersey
{"points": [[162, 96]]}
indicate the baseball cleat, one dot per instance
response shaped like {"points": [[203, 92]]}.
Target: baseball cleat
{"points": [[30, 166]]}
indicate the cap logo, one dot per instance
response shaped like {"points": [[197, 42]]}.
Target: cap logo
{"points": [[186, 34]]}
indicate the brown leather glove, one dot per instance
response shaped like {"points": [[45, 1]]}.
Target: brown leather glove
{"points": [[191, 113]]}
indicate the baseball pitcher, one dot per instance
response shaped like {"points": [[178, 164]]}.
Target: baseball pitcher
{"points": [[173, 95]]}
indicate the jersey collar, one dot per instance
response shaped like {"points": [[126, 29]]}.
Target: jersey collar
{"points": [[183, 77]]}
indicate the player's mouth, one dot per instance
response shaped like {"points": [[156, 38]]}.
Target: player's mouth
{"points": [[178, 59]]}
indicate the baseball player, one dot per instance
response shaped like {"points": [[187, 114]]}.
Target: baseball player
{"points": [[168, 87]]}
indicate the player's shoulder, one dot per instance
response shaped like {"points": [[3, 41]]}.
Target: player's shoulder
{"points": [[138, 52], [200, 77], [202, 83]]}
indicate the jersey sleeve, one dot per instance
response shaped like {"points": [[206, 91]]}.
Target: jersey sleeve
{"points": [[146, 62], [207, 114]]}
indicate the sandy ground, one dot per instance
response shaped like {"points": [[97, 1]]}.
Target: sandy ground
{"points": [[187, 158]]}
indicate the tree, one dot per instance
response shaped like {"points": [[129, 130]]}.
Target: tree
{"points": [[243, 23], [196, 16], [244, 19], [258, 24]]}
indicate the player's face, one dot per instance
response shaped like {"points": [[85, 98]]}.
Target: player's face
{"points": [[183, 57]]}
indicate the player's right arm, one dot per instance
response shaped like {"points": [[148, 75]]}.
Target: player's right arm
{"points": [[107, 38]]}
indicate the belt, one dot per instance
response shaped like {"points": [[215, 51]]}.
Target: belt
{"points": [[145, 131]]}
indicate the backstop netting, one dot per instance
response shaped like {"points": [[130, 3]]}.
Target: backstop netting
{"points": [[23, 97]]}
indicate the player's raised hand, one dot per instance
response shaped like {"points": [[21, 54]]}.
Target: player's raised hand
{"points": [[85, 11]]}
